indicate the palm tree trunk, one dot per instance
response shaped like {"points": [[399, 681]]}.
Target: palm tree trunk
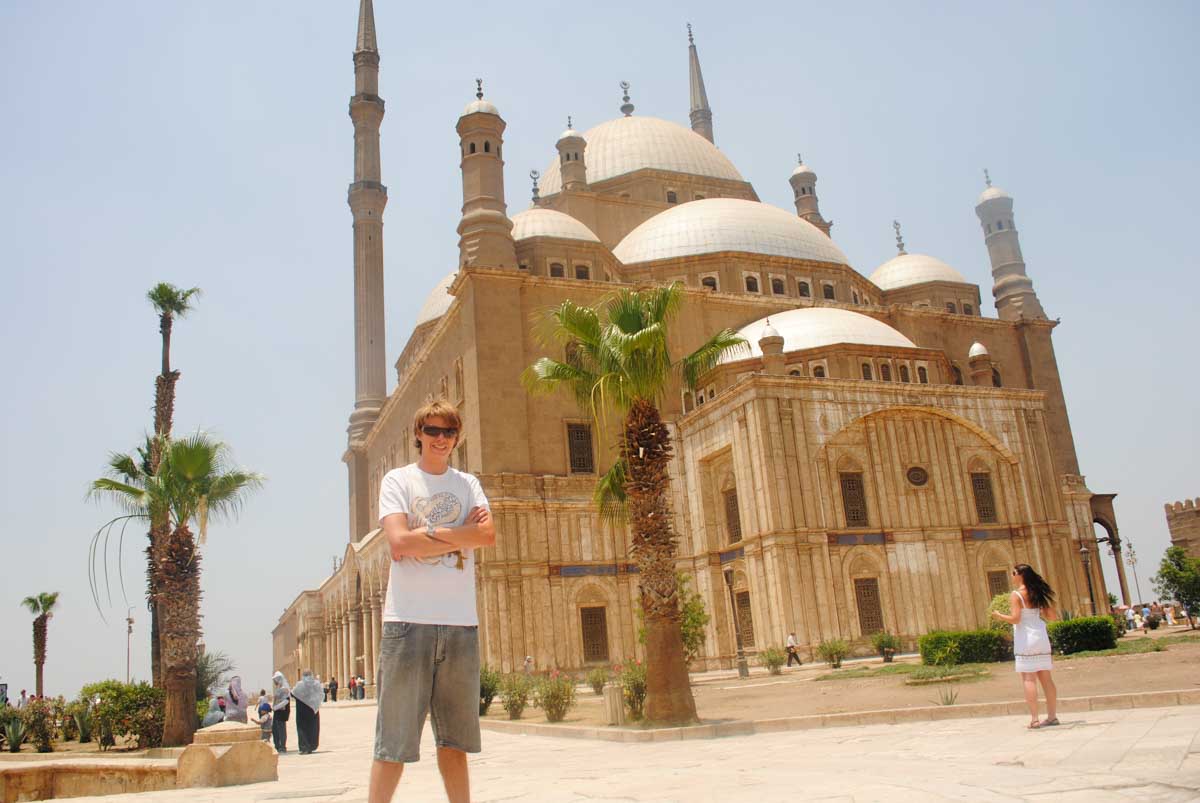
{"points": [[39, 650], [164, 415], [179, 631], [648, 450]]}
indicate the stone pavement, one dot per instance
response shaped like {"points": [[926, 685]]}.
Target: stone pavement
{"points": [[1149, 754]]}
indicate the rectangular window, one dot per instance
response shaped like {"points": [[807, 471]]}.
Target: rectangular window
{"points": [[968, 309], [828, 291], [745, 618], [870, 611], [985, 502], [854, 499], [733, 516], [594, 622], [579, 442], [997, 582], [582, 272], [950, 307]]}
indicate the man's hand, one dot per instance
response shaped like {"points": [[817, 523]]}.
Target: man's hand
{"points": [[478, 515]]}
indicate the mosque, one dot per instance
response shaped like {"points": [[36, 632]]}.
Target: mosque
{"points": [[877, 458]]}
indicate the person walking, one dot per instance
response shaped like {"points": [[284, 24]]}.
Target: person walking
{"points": [[791, 650], [434, 518], [350, 689], [1129, 623], [281, 707], [1030, 606], [333, 687], [307, 694]]}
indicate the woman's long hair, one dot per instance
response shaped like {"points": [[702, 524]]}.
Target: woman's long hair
{"points": [[1041, 595]]}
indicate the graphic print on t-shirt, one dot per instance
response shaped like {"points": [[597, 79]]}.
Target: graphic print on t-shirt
{"points": [[442, 509]]}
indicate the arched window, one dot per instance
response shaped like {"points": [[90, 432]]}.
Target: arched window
{"points": [[472, 147], [958, 380], [487, 146], [818, 371], [866, 370], [795, 372], [922, 375], [582, 272], [556, 270], [828, 291], [777, 286], [672, 198], [751, 284], [805, 292], [904, 377], [699, 197], [996, 379], [854, 295], [885, 372], [999, 225], [710, 282]]}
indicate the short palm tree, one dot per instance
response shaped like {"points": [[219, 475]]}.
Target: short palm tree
{"points": [[618, 360], [42, 608], [169, 302], [193, 483]]}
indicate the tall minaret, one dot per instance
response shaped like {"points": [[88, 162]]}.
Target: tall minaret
{"points": [[367, 197], [484, 232], [1011, 288], [701, 114], [804, 189]]}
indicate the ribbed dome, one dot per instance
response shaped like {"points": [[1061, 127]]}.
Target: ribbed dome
{"points": [[476, 106], [910, 269], [438, 301], [977, 350], [726, 224], [539, 222], [632, 143], [813, 327]]}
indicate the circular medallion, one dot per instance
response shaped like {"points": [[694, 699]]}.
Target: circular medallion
{"points": [[917, 475]]}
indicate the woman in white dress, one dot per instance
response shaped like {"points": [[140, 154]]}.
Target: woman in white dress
{"points": [[1031, 606]]}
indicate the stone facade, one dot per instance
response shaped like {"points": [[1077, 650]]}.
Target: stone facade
{"points": [[1183, 522], [824, 484]]}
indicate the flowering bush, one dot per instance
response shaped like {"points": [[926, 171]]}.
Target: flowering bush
{"points": [[597, 678], [633, 681], [555, 694], [516, 688], [134, 711], [38, 718]]}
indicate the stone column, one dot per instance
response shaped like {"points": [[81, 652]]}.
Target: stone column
{"points": [[376, 622], [355, 639], [346, 650]]}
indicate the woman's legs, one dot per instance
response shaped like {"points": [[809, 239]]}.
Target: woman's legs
{"points": [[279, 734], [1051, 693], [1029, 679]]}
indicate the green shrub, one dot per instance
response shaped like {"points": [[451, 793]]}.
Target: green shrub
{"points": [[1084, 633], [80, 712], [516, 688], [67, 726], [633, 684], [773, 658], [883, 640], [38, 718], [1153, 621], [1001, 602], [947, 647], [597, 679], [489, 685], [133, 711], [14, 734], [555, 695], [833, 651], [1118, 623]]}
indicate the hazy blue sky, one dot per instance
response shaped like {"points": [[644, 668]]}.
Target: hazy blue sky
{"points": [[208, 144]]}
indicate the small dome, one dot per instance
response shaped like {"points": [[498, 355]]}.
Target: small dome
{"points": [[480, 106], [769, 331], [713, 225], [813, 327], [438, 300], [803, 170], [991, 193], [570, 133], [538, 222], [977, 350], [632, 143], [909, 269]]}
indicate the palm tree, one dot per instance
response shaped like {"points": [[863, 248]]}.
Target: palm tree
{"points": [[42, 608], [618, 360], [169, 302], [193, 483]]}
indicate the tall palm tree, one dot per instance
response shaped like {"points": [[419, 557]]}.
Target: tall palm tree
{"points": [[169, 302], [194, 482], [42, 608], [618, 360]]}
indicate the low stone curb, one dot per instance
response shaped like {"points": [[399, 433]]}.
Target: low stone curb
{"points": [[892, 716]]}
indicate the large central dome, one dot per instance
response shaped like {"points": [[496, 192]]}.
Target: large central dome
{"points": [[714, 225], [633, 143]]}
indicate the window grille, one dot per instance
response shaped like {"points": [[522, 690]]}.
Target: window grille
{"points": [[985, 502], [885, 373], [594, 622], [733, 518], [579, 441], [870, 611], [904, 376], [854, 500], [923, 375], [672, 197], [745, 618], [997, 582], [866, 370]]}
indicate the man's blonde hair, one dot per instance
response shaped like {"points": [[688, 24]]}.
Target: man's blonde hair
{"points": [[438, 408]]}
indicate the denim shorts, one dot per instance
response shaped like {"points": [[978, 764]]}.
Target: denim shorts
{"points": [[426, 670]]}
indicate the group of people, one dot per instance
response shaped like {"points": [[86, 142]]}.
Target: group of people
{"points": [[1139, 617], [274, 712], [356, 689]]}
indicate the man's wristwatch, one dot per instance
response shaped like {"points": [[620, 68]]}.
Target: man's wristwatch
{"points": [[430, 529]]}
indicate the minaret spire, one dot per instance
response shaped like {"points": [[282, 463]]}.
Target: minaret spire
{"points": [[701, 114], [366, 29]]}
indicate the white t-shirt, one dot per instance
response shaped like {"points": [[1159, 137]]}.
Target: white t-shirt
{"points": [[432, 590]]}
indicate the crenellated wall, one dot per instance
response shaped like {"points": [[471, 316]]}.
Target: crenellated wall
{"points": [[1183, 522]]}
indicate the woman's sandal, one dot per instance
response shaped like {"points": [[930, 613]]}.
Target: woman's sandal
{"points": [[1046, 723], [1034, 725]]}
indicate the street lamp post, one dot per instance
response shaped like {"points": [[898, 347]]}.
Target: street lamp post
{"points": [[1131, 559], [742, 668], [1086, 554], [128, 640]]}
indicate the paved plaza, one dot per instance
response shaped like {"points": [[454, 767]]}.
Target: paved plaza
{"points": [[1140, 754]]}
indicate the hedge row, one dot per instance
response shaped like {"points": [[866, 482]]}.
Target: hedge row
{"points": [[1084, 633], [964, 647]]}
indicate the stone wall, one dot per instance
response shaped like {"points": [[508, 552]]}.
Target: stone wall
{"points": [[1183, 522]]}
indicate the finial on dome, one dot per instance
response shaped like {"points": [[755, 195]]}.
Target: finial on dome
{"points": [[479, 89], [899, 239], [626, 107], [569, 126], [535, 175], [986, 178], [799, 159], [691, 41]]}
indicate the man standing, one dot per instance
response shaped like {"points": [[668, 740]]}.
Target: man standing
{"points": [[791, 650], [333, 687], [434, 518], [22, 701]]}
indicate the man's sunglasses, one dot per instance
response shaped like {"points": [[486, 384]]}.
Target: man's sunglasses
{"points": [[433, 432]]}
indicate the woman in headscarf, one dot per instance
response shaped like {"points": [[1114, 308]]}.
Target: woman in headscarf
{"points": [[235, 701], [281, 705], [308, 721], [214, 714]]}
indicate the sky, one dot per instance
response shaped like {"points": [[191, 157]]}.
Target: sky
{"points": [[208, 144]]}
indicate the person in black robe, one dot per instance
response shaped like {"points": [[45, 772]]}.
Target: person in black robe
{"points": [[308, 695], [281, 707]]}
